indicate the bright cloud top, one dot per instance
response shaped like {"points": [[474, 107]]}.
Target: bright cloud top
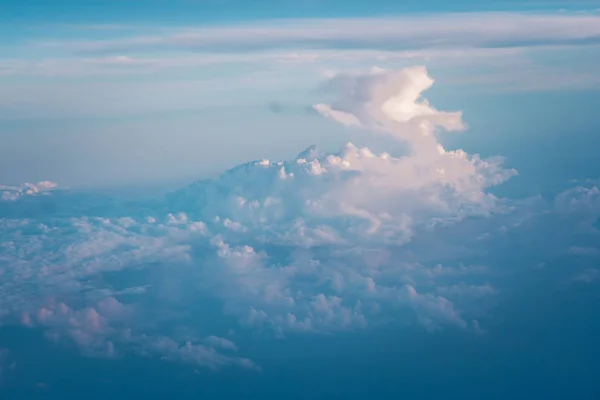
{"points": [[322, 243], [390, 101]]}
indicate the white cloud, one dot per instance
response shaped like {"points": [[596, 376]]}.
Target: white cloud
{"points": [[508, 49], [103, 330], [413, 32], [315, 60], [90, 328], [11, 193], [390, 101], [431, 308]]}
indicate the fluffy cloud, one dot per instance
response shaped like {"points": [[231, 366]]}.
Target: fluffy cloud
{"points": [[11, 193], [334, 198], [389, 101], [322, 243], [104, 330]]}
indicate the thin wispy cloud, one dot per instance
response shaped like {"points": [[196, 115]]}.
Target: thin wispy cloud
{"points": [[506, 50], [401, 33]]}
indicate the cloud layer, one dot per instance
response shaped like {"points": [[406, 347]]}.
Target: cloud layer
{"points": [[318, 244], [414, 32], [492, 41]]}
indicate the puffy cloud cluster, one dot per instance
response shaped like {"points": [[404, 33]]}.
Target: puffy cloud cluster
{"points": [[390, 101], [27, 189], [88, 328], [322, 243], [104, 329], [336, 198]]}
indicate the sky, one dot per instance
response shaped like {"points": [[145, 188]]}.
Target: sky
{"points": [[260, 199]]}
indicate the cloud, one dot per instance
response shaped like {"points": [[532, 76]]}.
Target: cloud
{"points": [[104, 329], [11, 193], [219, 342], [333, 198], [323, 243], [88, 328], [580, 204], [398, 33], [196, 354], [430, 309], [314, 59], [130, 71], [390, 101]]}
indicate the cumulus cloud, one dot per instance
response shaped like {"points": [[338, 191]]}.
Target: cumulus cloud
{"points": [[331, 198], [389, 101], [104, 329], [11, 193], [88, 328], [321, 243]]}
